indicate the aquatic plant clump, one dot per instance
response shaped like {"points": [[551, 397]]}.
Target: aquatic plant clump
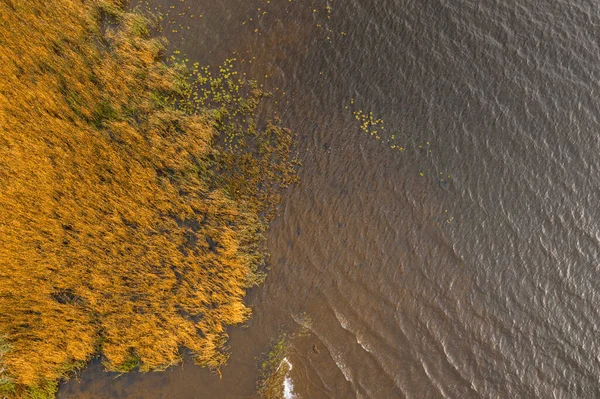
{"points": [[274, 370], [131, 216]]}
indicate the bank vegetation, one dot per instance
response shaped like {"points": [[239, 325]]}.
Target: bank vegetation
{"points": [[134, 196]]}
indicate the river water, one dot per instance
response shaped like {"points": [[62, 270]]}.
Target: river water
{"points": [[466, 266]]}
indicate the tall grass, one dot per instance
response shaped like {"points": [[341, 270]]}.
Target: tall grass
{"points": [[134, 198], [6, 382]]}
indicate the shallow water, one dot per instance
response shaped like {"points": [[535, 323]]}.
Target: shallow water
{"points": [[483, 284]]}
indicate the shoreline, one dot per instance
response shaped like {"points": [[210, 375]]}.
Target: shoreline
{"points": [[144, 197]]}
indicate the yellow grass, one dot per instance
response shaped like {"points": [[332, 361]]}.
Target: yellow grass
{"points": [[125, 229]]}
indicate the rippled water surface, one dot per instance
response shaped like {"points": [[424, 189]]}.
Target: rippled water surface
{"points": [[466, 266]]}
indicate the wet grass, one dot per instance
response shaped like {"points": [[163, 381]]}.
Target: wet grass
{"points": [[274, 369]]}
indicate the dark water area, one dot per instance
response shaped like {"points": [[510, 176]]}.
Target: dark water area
{"points": [[484, 284]]}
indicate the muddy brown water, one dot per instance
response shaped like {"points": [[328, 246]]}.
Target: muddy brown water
{"points": [[409, 283]]}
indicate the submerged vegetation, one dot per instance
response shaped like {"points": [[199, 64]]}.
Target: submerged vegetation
{"points": [[376, 128], [274, 369], [134, 196]]}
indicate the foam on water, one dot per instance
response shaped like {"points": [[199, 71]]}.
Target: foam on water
{"points": [[288, 386]]}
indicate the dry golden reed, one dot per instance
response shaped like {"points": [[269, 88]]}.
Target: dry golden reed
{"points": [[127, 228]]}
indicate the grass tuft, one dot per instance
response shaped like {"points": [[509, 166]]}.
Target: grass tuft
{"points": [[274, 369]]}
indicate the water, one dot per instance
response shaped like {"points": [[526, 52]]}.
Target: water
{"points": [[481, 285]]}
